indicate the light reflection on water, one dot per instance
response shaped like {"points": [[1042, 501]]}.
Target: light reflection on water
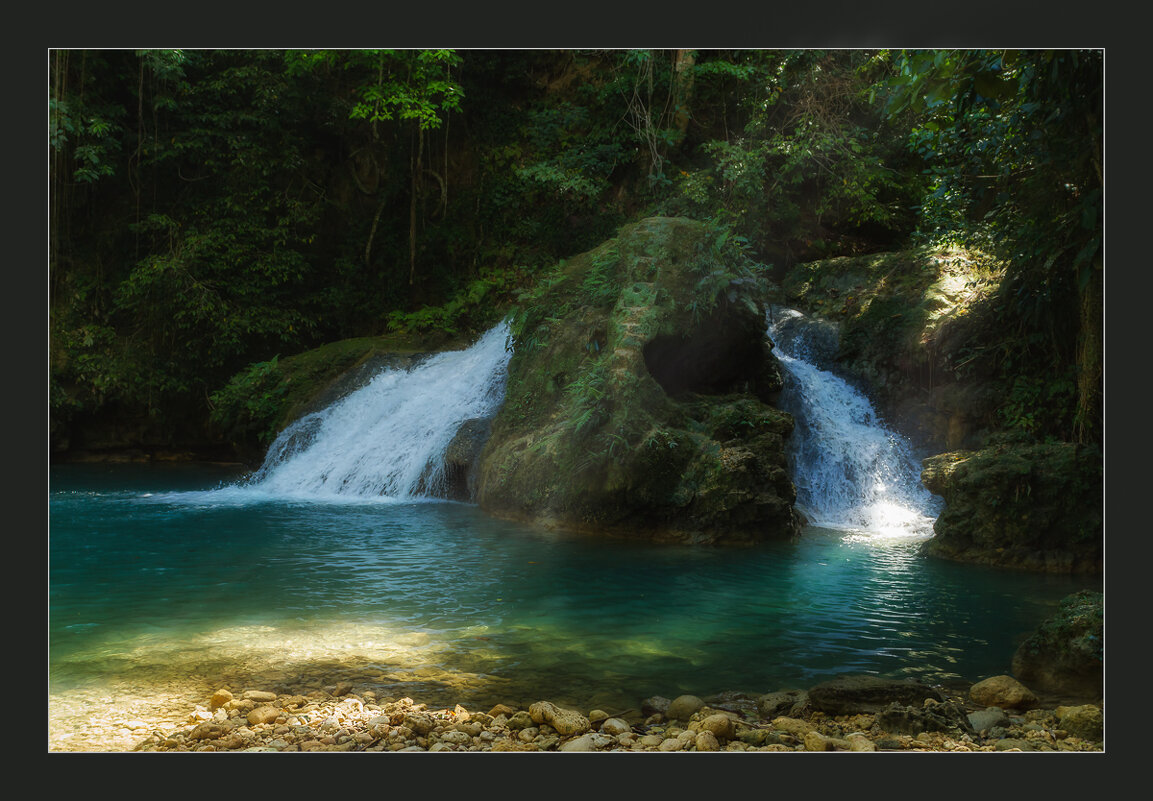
{"points": [[150, 573]]}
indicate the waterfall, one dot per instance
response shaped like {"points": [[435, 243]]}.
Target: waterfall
{"points": [[851, 471], [388, 439]]}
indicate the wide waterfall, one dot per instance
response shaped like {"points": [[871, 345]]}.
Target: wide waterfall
{"points": [[387, 440], [852, 472]]}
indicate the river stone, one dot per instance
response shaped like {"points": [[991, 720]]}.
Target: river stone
{"points": [[794, 726], [1003, 691], [567, 722], [615, 727], [1085, 721], [720, 724], [984, 719], [655, 705], [206, 731], [263, 714], [815, 741], [1015, 743], [684, 707], [472, 728], [946, 717], [707, 741], [420, 723], [851, 695], [774, 705], [455, 737], [219, 699], [582, 743], [520, 720], [859, 742], [258, 696]]}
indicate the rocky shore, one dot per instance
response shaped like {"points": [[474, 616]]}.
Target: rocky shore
{"points": [[850, 713]]}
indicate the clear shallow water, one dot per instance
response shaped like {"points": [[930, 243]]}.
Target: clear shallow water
{"points": [[155, 569]]}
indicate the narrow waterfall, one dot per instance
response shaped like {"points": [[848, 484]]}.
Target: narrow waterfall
{"points": [[851, 471], [388, 439]]}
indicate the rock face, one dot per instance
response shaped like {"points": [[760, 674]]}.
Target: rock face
{"points": [[639, 397], [1035, 507], [462, 459], [1066, 655], [906, 319]]}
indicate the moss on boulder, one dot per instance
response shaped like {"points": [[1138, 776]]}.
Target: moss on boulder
{"points": [[907, 319], [1029, 506], [1066, 654], [639, 396]]}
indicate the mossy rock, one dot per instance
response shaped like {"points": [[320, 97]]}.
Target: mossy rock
{"points": [[1031, 506], [639, 396], [1066, 654], [906, 320]]}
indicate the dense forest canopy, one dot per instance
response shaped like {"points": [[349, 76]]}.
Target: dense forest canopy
{"points": [[215, 209]]}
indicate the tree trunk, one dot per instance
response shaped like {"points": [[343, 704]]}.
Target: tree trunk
{"points": [[416, 173], [683, 89], [1090, 356]]}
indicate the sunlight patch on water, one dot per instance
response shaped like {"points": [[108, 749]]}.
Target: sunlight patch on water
{"points": [[885, 520]]}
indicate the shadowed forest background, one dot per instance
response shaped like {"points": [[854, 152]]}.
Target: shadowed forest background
{"points": [[212, 211]]}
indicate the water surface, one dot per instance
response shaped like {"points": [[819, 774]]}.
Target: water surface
{"points": [[166, 569]]}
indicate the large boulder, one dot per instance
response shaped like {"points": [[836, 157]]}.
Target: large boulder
{"points": [[1066, 654], [639, 397], [1033, 506]]}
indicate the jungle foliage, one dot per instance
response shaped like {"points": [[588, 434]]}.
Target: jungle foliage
{"points": [[213, 210]]}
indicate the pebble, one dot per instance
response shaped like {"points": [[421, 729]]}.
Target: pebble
{"points": [[339, 718]]}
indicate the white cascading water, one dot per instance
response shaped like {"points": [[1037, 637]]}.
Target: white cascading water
{"points": [[851, 472], [387, 440]]}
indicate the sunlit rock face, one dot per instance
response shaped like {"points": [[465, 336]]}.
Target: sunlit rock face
{"points": [[638, 398], [1034, 507], [908, 321]]}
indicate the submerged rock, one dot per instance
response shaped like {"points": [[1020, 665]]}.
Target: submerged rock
{"points": [[944, 717], [849, 695], [639, 397], [684, 707]]}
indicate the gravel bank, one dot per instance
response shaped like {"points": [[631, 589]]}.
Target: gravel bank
{"points": [[342, 717]]}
